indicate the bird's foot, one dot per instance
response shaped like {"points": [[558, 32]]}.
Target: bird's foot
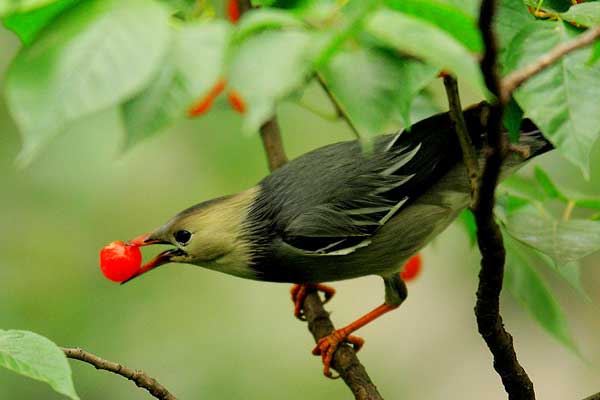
{"points": [[327, 346], [299, 293]]}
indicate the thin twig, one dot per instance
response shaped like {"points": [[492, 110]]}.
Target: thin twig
{"points": [[487, 309], [338, 109], [515, 79], [140, 378], [460, 127], [344, 360], [271, 138]]}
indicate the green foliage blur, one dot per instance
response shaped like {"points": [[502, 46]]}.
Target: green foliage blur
{"points": [[208, 335]]}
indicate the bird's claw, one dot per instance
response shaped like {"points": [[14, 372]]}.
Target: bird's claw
{"points": [[327, 346], [299, 293]]}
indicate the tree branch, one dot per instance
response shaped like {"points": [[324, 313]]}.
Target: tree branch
{"points": [[344, 360], [272, 144], [140, 378], [460, 127], [515, 79], [487, 308]]}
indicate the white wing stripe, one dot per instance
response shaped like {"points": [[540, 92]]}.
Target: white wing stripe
{"points": [[393, 141], [387, 188], [393, 211], [403, 160], [366, 210], [348, 250]]}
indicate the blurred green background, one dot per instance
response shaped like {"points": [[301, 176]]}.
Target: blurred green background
{"points": [[205, 335]]}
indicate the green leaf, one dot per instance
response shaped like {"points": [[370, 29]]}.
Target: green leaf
{"points": [[558, 99], [95, 55], [468, 221], [585, 14], [511, 203], [470, 7], [595, 56], [569, 272], [512, 15], [18, 6], [564, 241], [547, 185], [36, 357], [262, 19], [191, 68], [420, 39], [423, 106], [550, 5], [353, 17], [457, 23], [587, 203], [528, 287], [520, 186], [27, 25], [262, 3], [512, 120], [267, 67], [372, 85]]}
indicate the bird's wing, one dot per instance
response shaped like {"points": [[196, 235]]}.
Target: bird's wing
{"points": [[362, 203]]}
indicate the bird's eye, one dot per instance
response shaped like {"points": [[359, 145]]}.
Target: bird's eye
{"points": [[182, 236]]}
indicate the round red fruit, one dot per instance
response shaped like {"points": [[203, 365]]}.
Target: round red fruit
{"points": [[411, 268], [120, 261]]}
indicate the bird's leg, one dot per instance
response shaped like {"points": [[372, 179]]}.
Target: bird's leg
{"points": [[299, 292], [395, 293]]}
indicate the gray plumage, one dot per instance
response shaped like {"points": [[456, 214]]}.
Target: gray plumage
{"points": [[341, 211]]}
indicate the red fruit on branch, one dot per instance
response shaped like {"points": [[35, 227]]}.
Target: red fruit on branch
{"points": [[233, 10], [120, 261], [411, 268], [205, 103], [236, 101]]}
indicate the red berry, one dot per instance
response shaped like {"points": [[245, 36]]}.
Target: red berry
{"points": [[236, 101], [233, 10], [120, 261], [411, 268]]}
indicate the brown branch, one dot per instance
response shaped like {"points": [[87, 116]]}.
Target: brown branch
{"points": [[487, 308], [140, 378], [272, 144], [338, 109], [460, 127], [344, 360], [515, 79]]}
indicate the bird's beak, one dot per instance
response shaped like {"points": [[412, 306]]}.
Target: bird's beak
{"points": [[160, 259]]}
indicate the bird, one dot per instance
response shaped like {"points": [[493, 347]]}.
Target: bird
{"points": [[342, 211]]}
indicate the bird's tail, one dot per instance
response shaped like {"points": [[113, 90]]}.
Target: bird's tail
{"points": [[531, 139]]}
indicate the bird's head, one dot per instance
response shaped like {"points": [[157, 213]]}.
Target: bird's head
{"points": [[209, 234]]}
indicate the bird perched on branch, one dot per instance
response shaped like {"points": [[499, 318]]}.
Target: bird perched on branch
{"points": [[339, 212]]}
